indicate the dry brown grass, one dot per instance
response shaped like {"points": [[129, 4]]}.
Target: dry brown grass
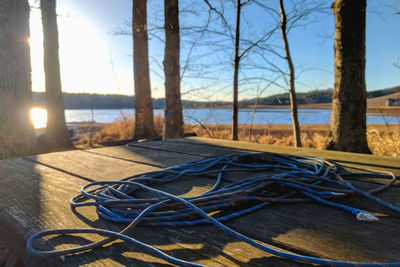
{"points": [[383, 139], [313, 136], [122, 128]]}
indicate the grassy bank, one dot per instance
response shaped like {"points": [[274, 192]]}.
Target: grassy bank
{"points": [[383, 139]]}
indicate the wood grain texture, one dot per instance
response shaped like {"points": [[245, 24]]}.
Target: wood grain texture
{"points": [[173, 117], [35, 193], [144, 119], [16, 128], [57, 135]]}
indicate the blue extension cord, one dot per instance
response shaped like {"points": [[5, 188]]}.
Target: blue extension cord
{"points": [[300, 179]]}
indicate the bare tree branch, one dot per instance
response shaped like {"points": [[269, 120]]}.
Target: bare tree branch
{"points": [[222, 17]]}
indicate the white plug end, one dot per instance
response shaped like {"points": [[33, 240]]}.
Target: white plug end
{"points": [[366, 217], [337, 194]]}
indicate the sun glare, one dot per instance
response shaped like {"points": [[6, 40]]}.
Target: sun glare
{"points": [[39, 117], [84, 57]]}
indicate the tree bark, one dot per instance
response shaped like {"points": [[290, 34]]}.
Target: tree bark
{"points": [[144, 119], [57, 135], [348, 120], [173, 105], [292, 89], [16, 129], [235, 104]]}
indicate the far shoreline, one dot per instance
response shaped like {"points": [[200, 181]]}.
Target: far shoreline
{"points": [[393, 111]]}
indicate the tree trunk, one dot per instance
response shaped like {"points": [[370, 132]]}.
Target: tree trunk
{"points": [[348, 120], [16, 129], [57, 135], [235, 105], [144, 119], [292, 90], [173, 105]]}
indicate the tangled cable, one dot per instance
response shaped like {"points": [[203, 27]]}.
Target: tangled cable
{"points": [[278, 178]]}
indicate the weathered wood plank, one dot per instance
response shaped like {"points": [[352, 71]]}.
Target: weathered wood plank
{"points": [[161, 159], [46, 207], [51, 210], [110, 163], [37, 198], [356, 158], [92, 166], [187, 148], [44, 190]]}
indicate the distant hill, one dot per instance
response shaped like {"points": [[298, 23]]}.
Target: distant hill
{"points": [[314, 97], [384, 92], [113, 101], [89, 101], [382, 100]]}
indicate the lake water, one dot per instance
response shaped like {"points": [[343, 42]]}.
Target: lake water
{"points": [[224, 116]]}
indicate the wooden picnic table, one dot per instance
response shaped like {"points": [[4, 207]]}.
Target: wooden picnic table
{"points": [[35, 193]]}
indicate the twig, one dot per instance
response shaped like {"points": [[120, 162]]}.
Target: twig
{"points": [[390, 134], [201, 125]]}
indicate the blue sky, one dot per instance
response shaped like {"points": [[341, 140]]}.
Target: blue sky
{"points": [[96, 61]]}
